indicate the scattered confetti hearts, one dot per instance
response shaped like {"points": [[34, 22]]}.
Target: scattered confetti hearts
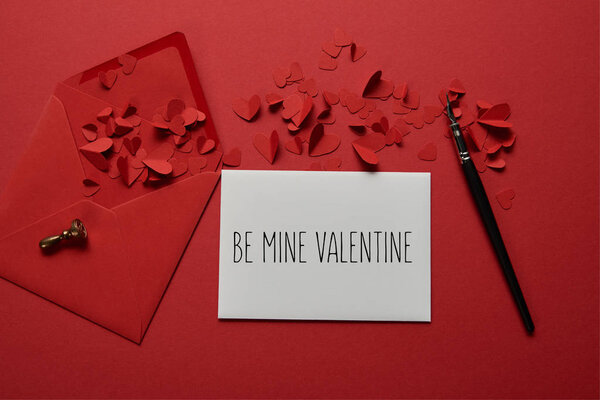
{"points": [[294, 145], [327, 63], [205, 145], [357, 52], [122, 126], [411, 100], [331, 49], [196, 164], [128, 173], [90, 132], [377, 88], [267, 147], [428, 152], [233, 158], [372, 141], [177, 125], [341, 38], [354, 103], [505, 198], [90, 187], [291, 106], [128, 62], [108, 78], [304, 111], [132, 145], [401, 91], [246, 109]]}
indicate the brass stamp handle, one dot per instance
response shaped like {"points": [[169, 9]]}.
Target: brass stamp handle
{"points": [[75, 234]]}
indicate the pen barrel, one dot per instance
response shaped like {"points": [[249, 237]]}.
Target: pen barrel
{"points": [[489, 221]]}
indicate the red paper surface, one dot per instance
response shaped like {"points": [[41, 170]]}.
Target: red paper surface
{"points": [[538, 57]]}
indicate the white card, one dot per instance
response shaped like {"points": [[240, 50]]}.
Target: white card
{"points": [[326, 269]]}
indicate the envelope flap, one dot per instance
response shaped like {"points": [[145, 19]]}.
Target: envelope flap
{"points": [[47, 177], [92, 281], [158, 228]]}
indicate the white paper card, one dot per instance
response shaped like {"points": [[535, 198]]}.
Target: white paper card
{"points": [[295, 245]]}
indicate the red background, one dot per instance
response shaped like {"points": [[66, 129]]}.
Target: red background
{"points": [[540, 56]]}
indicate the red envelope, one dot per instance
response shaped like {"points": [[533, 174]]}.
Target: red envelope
{"points": [[136, 234]]}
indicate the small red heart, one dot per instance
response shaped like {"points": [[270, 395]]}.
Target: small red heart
{"points": [[177, 125], [415, 118], [205, 145], [163, 167], [430, 113], [326, 116], [505, 198], [122, 126], [280, 76], [354, 102], [309, 87], [399, 108], [128, 62], [132, 145], [267, 147], [357, 52], [381, 126], [428, 152], [372, 141], [327, 63], [104, 114], [246, 109], [401, 91], [158, 121], [296, 73], [319, 143], [331, 49], [496, 162], [273, 99], [341, 38], [304, 111], [291, 106], [456, 86], [377, 88], [197, 164], [108, 78], [180, 167], [90, 132], [411, 100], [174, 107], [294, 145], [189, 115], [331, 98], [478, 158], [365, 153], [90, 187], [233, 158]]}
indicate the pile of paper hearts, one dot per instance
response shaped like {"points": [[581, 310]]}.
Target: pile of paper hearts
{"points": [[487, 129]]}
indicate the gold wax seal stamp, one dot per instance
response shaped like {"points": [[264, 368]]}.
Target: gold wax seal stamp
{"points": [[76, 234]]}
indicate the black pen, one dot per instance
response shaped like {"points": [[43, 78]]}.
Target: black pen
{"points": [[487, 215]]}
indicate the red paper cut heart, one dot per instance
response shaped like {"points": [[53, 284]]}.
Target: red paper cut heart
{"points": [[372, 141], [179, 166], [90, 187], [273, 99], [365, 153], [326, 116], [177, 125], [291, 106], [280, 76], [341, 38], [401, 91], [319, 143], [479, 160], [377, 88], [505, 198], [496, 116], [304, 111], [122, 126], [93, 152], [331, 49], [132, 145], [357, 52], [108, 78], [233, 158], [196, 164], [398, 107], [428, 152], [104, 114], [354, 103], [295, 73], [381, 126], [267, 147], [163, 167], [327, 63], [189, 115], [205, 145], [128, 62], [331, 98], [415, 118], [90, 132], [309, 87], [411, 100], [495, 162], [483, 105], [246, 109], [456, 86], [294, 145]]}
